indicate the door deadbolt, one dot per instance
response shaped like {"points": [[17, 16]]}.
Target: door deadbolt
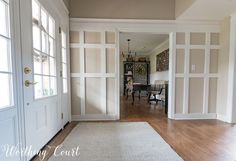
{"points": [[27, 70]]}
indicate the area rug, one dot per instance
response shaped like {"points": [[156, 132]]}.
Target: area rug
{"points": [[115, 141]]}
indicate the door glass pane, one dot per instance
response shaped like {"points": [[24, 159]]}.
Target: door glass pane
{"points": [[37, 63], [44, 55], [35, 10], [44, 20], [63, 39], [46, 84], [36, 37], [63, 55], [64, 71], [4, 54], [3, 19], [53, 90], [65, 90], [44, 42], [52, 67], [64, 62], [51, 27], [5, 86], [38, 93], [45, 63], [51, 47]]}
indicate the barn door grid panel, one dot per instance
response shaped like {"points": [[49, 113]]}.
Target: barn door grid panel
{"points": [[196, 74], [94, 81]]}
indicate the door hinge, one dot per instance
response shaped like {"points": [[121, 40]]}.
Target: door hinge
{"points": [[59, 30], [62, 116]]}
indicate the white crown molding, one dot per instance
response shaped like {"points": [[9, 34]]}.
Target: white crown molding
{"points": [[95, 20], [143, 26]]}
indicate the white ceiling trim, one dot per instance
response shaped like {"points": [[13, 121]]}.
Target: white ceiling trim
{"points": [[150, 26], [95, 20]]}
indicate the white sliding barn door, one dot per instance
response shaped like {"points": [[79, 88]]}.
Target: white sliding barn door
{"points": [[9, 106], [94, 74]]}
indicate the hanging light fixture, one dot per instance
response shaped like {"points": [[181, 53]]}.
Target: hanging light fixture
{"points": [[129, 50], [130, 54]]}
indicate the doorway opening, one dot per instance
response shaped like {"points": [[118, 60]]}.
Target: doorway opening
{"points": [[144, 75]]}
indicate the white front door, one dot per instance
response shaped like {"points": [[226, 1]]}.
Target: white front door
{"points": [[9, 106], [41, 59]]}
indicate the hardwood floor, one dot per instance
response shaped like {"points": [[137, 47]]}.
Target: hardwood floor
{"points": [[199, 140], [57, 140]]}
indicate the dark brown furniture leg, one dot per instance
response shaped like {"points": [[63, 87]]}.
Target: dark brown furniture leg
{"points": [[139, 94], [133, 97]]}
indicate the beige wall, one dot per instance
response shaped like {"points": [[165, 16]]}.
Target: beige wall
{"points": [[223, 67], [122, 9], [179, 94], [164, 75], [181, 6], [212, 100], [196, 89]]}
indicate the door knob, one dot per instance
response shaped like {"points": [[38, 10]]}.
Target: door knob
{"points": [[28, 83]]}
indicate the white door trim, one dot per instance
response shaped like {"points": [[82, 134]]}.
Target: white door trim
{"points": [[231, 106]]}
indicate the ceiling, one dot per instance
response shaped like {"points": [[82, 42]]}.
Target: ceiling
{"points": [[209, 10], [141, 43]]}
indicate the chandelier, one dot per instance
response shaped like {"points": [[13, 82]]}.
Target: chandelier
{"points": [[129, 51]]}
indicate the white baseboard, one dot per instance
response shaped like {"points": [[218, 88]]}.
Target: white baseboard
{"points": [[222, 118], [195, 116], [94, 117], [225, 118]]}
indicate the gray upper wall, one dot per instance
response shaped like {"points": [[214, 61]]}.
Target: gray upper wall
{"points": [[181, 6], [123, 9]]}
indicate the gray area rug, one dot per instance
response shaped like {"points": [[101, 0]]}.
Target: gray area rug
{"points": [[116, 141]]}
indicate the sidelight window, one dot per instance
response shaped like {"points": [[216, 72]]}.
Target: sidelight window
{"points": [[6, 84]]}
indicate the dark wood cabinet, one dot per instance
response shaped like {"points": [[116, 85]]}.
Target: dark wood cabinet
{"points": [[138, 71]]}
